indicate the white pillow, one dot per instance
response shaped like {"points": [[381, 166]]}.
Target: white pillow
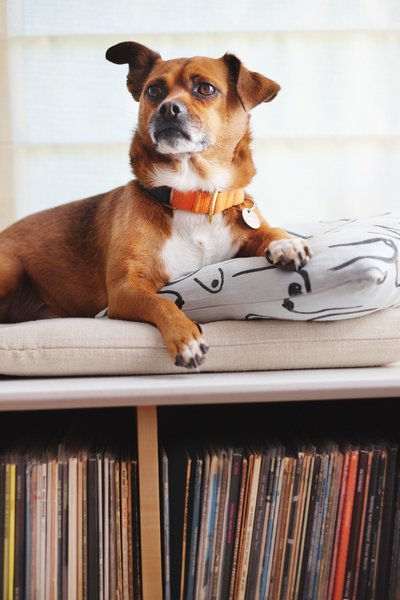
{"points": [[354, 271]]}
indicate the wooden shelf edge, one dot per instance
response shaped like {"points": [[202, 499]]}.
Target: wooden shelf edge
{"points": [[199, 388], [150, 518]]}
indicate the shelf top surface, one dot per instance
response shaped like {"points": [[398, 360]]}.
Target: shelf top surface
{"points": [[199, 388]]}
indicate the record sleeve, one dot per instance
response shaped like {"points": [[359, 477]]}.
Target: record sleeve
{"points": [[345, 528], [231, 520]]}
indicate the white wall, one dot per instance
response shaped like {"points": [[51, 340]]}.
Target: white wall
{"points": [[328, 146]]}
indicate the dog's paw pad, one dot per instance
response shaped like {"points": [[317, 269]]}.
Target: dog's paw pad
{"points": [[192, 354], [290, 254]]}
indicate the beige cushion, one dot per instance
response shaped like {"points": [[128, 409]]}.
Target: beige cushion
{"points": [[107, 347]]}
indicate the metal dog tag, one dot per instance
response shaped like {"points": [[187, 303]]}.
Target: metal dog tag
{"points": [[251, 218]]}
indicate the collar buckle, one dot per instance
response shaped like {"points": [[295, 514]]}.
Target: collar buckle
{"points": [[211, 213]]}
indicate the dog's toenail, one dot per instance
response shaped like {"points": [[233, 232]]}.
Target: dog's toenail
{"points": [[179, 361], [268, 257]]}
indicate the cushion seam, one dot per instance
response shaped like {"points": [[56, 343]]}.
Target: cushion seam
{"points": [[251, 343]]}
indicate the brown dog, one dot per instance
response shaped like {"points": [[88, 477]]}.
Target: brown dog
{"points": [[187, 208]]}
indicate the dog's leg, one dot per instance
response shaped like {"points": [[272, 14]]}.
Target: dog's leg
{"points": [[133, 301], [11, 271], [289, 253]]}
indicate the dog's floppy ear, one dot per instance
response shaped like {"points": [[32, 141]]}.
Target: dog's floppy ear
{"points": [[141, 60], [252, 88]]}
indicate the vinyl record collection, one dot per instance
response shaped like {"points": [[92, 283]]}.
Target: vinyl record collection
{"points": [[312, 523], [69, 523]]}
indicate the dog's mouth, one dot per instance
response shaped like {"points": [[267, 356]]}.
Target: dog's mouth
{"points": [[169, 132]]}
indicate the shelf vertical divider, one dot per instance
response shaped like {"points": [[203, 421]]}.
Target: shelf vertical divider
{"points": [[150, 528]]}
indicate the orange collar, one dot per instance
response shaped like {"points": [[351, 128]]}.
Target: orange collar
{"points": [[206, 202]]}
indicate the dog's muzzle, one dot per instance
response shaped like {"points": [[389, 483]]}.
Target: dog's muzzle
{"points": [[173, 131], [170, 121]]}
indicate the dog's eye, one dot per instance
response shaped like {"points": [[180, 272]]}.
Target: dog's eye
{"points": [[154, 91], [206, 89]]}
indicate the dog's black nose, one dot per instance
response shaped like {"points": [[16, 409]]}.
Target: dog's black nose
{"points": [[171, 110]]}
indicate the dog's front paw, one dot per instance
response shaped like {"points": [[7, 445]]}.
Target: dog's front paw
{"points": [[290, 254], [184, 341], [192, 354]]}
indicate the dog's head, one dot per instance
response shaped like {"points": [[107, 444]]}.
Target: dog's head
{"points": [[191, 105]]}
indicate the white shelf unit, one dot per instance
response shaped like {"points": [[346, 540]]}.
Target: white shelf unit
{"points": [[149, 392]]}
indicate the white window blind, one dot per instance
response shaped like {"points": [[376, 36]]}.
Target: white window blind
{"points": [[328, 146]]}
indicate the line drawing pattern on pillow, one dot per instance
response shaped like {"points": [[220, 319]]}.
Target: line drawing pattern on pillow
{"points": [[354, 271]]}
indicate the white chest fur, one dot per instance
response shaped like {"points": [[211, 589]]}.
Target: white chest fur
{"points": [[185, 177], [195, 242]]}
